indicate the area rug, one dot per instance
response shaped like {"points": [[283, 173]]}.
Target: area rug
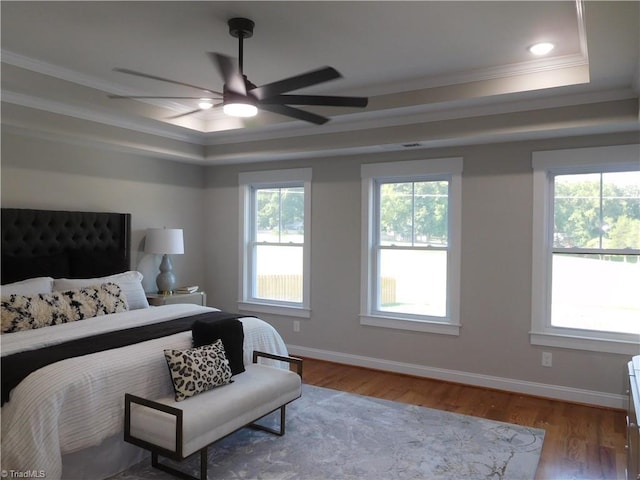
{"points": [[336, 435]]}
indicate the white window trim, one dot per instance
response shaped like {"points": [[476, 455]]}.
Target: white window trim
{"points": [[401, 170], [545, 164], [247, 181]]}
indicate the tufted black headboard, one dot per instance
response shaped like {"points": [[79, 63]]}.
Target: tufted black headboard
{"points": [[63, 244]]}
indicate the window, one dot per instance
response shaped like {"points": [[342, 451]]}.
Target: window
{"points": [[274, 263], [586, 257], [411, 245]]}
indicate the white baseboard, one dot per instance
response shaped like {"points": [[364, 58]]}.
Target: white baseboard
{"points": [[558, 392]]}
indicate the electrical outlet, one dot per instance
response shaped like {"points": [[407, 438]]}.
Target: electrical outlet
{"points": [[296, 326], [547, 359]]}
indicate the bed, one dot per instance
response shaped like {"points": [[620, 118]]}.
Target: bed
{"points": [[65, 419]]}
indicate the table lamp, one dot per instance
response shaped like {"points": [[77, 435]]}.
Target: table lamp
{"points": [[165, 241]]}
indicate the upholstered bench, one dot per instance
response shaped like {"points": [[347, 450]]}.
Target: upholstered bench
{"points": [[177, 430]]}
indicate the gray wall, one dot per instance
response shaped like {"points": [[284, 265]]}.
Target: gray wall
{"points": [[497, 192], [496, 248], [38, 173]]}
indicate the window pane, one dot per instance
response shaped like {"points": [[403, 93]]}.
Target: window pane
{"points": [[596, 292], [431, 201], [292, 201], [396, 213], [278, 273], [413, 282], [280, 215], [268, 214], [577, 216], [414, 213], [621, 210]]}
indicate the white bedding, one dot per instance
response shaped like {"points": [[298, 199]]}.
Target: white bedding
{"points": [[77, 403]]}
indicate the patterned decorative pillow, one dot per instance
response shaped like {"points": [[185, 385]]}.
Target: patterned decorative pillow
{"points": [[89, 302], [197, 370], [26, 312], [130, 283]]}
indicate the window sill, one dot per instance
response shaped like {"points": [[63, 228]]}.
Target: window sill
{"points": [[413, 325], [289, 311], [576, 342]]}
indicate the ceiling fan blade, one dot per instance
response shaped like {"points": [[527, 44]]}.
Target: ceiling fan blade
{"points": [[161, 79], [296, 82], [325, 100], [184, 114], [295, 113], [166, 98], [230, 73]]}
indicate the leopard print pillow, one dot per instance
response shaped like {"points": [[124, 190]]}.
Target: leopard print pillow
{"points": [[198, 369], [26, 312]]}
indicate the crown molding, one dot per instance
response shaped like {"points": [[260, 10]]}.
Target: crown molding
{"points": [[349, 122], [56, 71], [582, 28], [485, 74], [419, 114], [25, 129], [38, 103], [490, 73], [456, 141], [29, 131], [73, 76]]}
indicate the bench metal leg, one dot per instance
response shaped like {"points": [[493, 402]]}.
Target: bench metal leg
{"points": [[280, 431], [203, 463], [155, 463]]}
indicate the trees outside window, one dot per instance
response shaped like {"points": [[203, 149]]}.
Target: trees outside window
{"points": [[278, 243], [275, 258], [596, 247], [411, 245], [586, 249]]}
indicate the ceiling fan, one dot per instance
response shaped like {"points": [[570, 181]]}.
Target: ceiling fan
{"points": [[240, 97]]}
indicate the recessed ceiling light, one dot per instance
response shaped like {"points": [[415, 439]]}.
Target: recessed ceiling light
{"points": [[541, 48]]}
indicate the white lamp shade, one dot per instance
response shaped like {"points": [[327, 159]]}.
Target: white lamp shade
{"points": [[164, 240]]}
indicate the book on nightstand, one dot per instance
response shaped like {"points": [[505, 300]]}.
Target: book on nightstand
{"points": [[187, 289]]}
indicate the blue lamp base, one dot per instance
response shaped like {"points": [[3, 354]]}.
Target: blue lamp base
{"points": [[166, 279]]}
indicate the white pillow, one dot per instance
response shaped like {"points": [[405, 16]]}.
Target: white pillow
{"points": [[130, 283], [31, 286]]}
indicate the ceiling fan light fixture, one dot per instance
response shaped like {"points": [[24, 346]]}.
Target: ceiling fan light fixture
{"points": [[541, 48], [205, 104], [241, 98], [237, 109]]}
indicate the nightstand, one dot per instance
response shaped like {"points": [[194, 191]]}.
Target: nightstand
{"points": [[199, 298]]}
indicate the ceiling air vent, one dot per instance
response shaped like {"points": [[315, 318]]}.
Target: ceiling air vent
{"points": [[402, 146]]}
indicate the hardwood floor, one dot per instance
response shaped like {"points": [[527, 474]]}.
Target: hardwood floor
{"points": [[581, 442]]}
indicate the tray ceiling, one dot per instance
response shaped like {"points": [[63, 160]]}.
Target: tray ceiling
{"points": [[417, 61]]}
